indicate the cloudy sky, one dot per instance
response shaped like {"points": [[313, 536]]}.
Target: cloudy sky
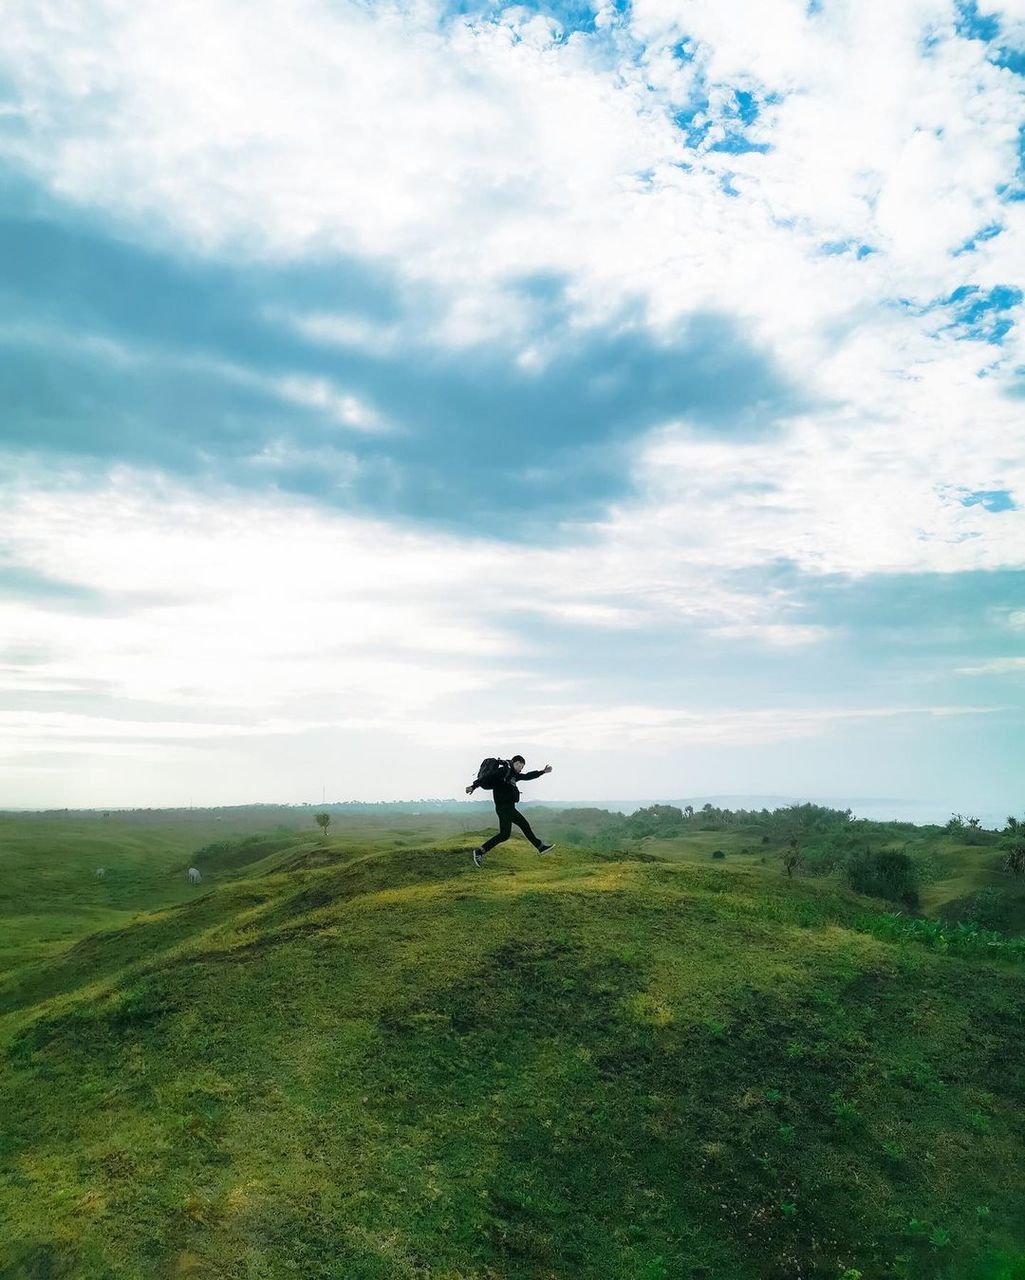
{"points": [[637, 386]]}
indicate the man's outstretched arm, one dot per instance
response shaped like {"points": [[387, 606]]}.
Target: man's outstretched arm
{"points": [[534, 773]]}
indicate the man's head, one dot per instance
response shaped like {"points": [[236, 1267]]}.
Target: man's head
{"points": [[517, 763]]}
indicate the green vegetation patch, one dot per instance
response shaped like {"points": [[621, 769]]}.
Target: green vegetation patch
{"points": [[394, 1065]]}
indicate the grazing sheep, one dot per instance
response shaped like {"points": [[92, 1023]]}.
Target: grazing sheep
{"points": [[193, 875], [100, 873]]}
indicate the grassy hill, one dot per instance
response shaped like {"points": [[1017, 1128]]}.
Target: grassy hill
{"points": [[362, 1058]]}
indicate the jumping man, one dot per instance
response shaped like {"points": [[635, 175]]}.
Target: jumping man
{"points": [[506, 795]]}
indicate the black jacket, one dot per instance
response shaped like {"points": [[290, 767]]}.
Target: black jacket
{"points": [[508, 792]]}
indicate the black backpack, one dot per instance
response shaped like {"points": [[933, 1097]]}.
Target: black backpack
{"points": [[491, 772]]}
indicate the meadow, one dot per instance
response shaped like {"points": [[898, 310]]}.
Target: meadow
{"points": [[657, 1054]]}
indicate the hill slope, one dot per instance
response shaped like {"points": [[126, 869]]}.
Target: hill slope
{"points": [[387, 1064]]}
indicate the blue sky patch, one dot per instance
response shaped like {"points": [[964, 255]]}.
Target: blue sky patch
{"points": [[694, 123], [833, 248], [572, 15], [990, 500], [735, 117], [1010, 59], [970, 24], [736, 144], [981, 314], [980, 237], [747, 107]]}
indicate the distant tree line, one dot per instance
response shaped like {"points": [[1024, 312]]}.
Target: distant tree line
{"points": [[874, 858], [664, 821]]}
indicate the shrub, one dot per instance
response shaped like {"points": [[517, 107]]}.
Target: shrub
{"points": [[1014, 862], [965, 938], [988, 909], [820, 861], [883, 873], [718, 854]]}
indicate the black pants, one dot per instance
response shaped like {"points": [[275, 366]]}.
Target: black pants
{"points": [[508, 814]]}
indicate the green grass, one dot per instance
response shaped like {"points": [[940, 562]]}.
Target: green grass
{"points": [[363, 1059]]}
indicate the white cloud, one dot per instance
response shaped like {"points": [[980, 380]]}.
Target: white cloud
{"points": [[223, 643], [39, 727], [775, 634], [243, 604], [994, 667], [469, 153], [832, 495], [253, 602], [340, 329], [624, 728], [319, 393], [466, 155]]}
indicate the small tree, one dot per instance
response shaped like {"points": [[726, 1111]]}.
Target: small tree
{"points": [[323, 820], [1015, 860]]}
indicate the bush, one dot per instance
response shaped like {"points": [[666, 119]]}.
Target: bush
{"points": [[988, 909], [820, 862], [1014, 860], [718, 854], [831, 851], [883, 873]]}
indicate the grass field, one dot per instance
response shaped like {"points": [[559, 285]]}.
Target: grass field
{"points": [[360, 1058]]}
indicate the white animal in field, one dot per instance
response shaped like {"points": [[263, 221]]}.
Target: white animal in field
{"points": [[193, 875], [100, 873]]}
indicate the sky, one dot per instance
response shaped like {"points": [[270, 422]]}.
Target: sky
{"points": [[636, 387]]}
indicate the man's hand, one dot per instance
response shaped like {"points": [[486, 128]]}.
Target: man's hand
{"points": [[469, 789], [547, 769]]}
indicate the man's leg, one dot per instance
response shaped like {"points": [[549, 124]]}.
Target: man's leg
{"points": [[524, 826], [505, 821]]}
